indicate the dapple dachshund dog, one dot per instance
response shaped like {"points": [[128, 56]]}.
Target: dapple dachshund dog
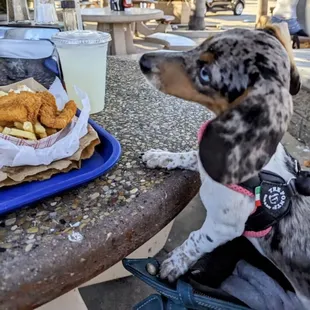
{"points": [[247, 78]]}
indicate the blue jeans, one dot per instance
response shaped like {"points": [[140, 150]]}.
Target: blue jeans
{"points": [[293, 25]]}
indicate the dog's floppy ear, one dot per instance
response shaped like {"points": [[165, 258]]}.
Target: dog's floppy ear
{"points": [[281, 32], [238, 143]]}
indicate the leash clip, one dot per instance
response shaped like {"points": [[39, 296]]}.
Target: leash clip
{"points": [[291, 186], [297, 166]]}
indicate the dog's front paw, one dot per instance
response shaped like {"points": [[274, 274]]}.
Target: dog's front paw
{"points": [[158, 159], [175, 265]]}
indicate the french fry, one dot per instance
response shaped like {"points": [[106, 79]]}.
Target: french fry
{"points": [[19, 133], [50, 131], [43, 135], [18, 125], [39, 129], [27, 126], [1, 129]]}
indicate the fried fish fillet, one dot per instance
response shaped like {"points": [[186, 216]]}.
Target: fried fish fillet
{"points": [[31, 107], [21, 107], [49, 115]]}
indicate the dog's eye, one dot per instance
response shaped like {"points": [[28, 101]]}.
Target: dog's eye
{"points": [[204, 75]]}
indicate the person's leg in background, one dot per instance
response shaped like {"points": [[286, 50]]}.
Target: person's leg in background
{"points": [[296, 31], [301, 33], [294, 28]]}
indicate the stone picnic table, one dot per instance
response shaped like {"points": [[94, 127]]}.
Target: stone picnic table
{"points": [[116, 213], [118, 23]]}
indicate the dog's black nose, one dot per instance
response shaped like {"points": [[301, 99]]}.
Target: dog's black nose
{"points": [[145, 64]]}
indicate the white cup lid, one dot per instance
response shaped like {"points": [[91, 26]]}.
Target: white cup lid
{"points": [[81, 37]]}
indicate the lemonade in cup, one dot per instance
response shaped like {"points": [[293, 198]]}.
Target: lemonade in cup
{"points": [[83, 58]]}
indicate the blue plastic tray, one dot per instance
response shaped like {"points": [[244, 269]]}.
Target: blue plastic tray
{"points": [[105, 157]]}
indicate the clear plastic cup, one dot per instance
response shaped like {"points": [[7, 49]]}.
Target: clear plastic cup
{"points": [[45, 12], [83, 57]]}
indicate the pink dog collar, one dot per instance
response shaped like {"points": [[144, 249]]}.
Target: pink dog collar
{"points": [[239, 189]]}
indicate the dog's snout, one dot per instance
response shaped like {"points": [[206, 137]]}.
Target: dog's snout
{"points": [[145, 64]]}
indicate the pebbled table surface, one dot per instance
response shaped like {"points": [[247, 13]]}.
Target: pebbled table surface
{"points": [[117, 212]]}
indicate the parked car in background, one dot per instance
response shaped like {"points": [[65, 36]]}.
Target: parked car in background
{"points": [[236, 6]]}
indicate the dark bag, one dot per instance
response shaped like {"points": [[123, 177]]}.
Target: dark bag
{"points": [[28, 53], [200, 288], [181, 296]]}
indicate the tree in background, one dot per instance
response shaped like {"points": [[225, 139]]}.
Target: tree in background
{"points": [[262, 9], [197, 19]]}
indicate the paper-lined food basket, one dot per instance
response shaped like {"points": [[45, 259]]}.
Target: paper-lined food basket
{"points": [[24, 160], [45, 142]]}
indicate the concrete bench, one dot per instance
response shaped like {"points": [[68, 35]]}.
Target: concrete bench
{"points": [[171, 41], [163, 25], [167, 19]]}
